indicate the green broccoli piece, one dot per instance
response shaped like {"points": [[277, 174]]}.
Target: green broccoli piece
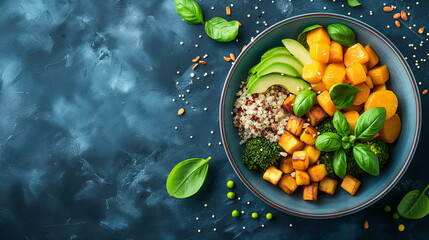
{"points": [[326, 126], [380, 149], [259, 154]]}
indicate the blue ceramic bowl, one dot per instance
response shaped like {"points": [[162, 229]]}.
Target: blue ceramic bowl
{"points": [[401, 81]]}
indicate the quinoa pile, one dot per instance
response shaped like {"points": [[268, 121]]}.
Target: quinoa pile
{"points": [[260, 115]]}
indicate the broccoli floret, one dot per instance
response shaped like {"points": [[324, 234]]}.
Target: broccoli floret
{"points": [[326, 126], [380, 149], [259, 154]]}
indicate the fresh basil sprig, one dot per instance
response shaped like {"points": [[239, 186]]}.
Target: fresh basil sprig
{"points": [[328, 142], [340, 163], [348, 141], [343, 95], [366, 159], [414, 205], [353, 3], [302, 37], [341, 34], [370, 123], [221, 30], [304, 101], [189, 10], [187, 177]]}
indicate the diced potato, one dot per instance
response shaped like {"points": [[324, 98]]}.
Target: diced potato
{"points": [[328, 185], [319, 51], [334, 73], [313, 72], [285, 164], [379, 75], [352, 117], [309, 135], [383, 98], [272, 175], [294, 125], [365, 68], [379, 87], [288, 184], [356, 54], [356, 74], [290, 143], [363, 95], [318, 87], [300, 160], [309, 192], [288, 103], [335, 53], [373, 57], [391, 129], [313, 153], [326, 103], [317, 172], [350, 184], [368, 82], [302, 178], [316, 115], [318, 35]]}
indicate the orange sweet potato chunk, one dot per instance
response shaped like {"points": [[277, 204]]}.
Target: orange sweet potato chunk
{"points": [[356, 74], [318, 35], [356, 54], [383, 98], [363, 95], [373, 57], [334, 73], [326, 103], [335, 53], [391, 129], [313, 72], [319, 51], [318, 87], [379, 75]]}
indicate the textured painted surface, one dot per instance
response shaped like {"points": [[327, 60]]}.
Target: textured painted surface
{"points": [[87, 123]]}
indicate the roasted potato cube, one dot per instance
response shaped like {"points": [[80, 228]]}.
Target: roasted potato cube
{"points": [[310, 192], [328, 185], [313, 153], [272, 175], [317, 172], [294, 125], [288, 184], [309, 135], [300, 160], [288, 103], [316, 115], [350, 184], [290, 143], [285, 164], [302, 178]]}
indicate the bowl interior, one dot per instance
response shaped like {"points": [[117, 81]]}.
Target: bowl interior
{"points": [[372, 188]]}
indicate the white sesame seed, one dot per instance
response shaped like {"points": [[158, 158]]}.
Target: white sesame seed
{"points": [[173, 99], [239, 198], [205, 205], [191, 137], [248, 15], [200, 36], [417, 3], [290, 225], [212, 72], [244, 226], [177, 83], [361, 16], [349, 13], [420, 83], [212, 132], [242, 212], [188, 90], [214, 229], [181, 43], [408, 7], [205, 109], [209, 144], [404, 37], [192, 75], [199, 230], [205, 55], [232, 5], [388, 26], [248, 203], [256, 7], [196, 45], [212, 8], [205, 74], [220, 143], [197, 218], [178, 72], [213, 216], [263, 12], [257, 31], [198, 78], [262, 225], [342, 5], [257, 22], [207, 87], [325, 8]]}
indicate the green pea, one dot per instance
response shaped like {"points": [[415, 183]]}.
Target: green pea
{"points": [[387, 208], [235, 213], [255, 215], [401, 227], [269, 216], [395, 215], [230, 184], [230, 195]]}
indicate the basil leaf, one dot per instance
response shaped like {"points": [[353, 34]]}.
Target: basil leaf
{"points": [[414, 205], [341, 124], [366, 159], [348, 141], [370, 123], [221, 30], [302, 37], [341, 34], [340, 163], [187, 177], [328, 142], [304, 101], [343, 95], [189, 10], [353, 3]]}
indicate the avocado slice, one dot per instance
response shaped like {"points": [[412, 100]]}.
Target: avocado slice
{"points": [[277, 67], [251, 78], [292, 84], [298, 51], [274, 51], [278, 57]]}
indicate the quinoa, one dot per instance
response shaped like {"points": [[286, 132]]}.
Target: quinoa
{"points": [[260, 115]]}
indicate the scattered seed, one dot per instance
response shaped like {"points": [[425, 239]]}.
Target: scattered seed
{"points": [[196, 59], [366, 225], [396, 16], [239, 24], [228, 10], [181, 112], [232, 56], [425, 92], [202, 62], [387, 9], [397, 24], [228, 59], [421, 30], [244, 47], [195, 66], [404, 15], [401, 227]]}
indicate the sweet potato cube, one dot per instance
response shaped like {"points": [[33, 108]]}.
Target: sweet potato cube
{"points": [[302, 178], [300, 160], [334, 73], [357, 108], [379, 87], [288, 184], [316, 115], [288, 103], [368, 82], [313, 153], [352, 117], [356, 74], [309, 135], [317, 172], [272, 175], [328, 185], [350, 184], [313, 72], [363, 95], [391, 129], [318, 87], [326, 103], [318, 35], [335, 53], [373, 57], [294, 125], [309, 192], [379, 75], [319, 51], [356, 54], [290, 143], [285, 164]]}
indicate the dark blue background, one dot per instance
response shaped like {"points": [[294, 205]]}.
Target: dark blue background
{"points": [[87, 122]]}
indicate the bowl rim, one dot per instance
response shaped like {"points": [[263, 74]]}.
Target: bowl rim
{"points": [[417, 123]]}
